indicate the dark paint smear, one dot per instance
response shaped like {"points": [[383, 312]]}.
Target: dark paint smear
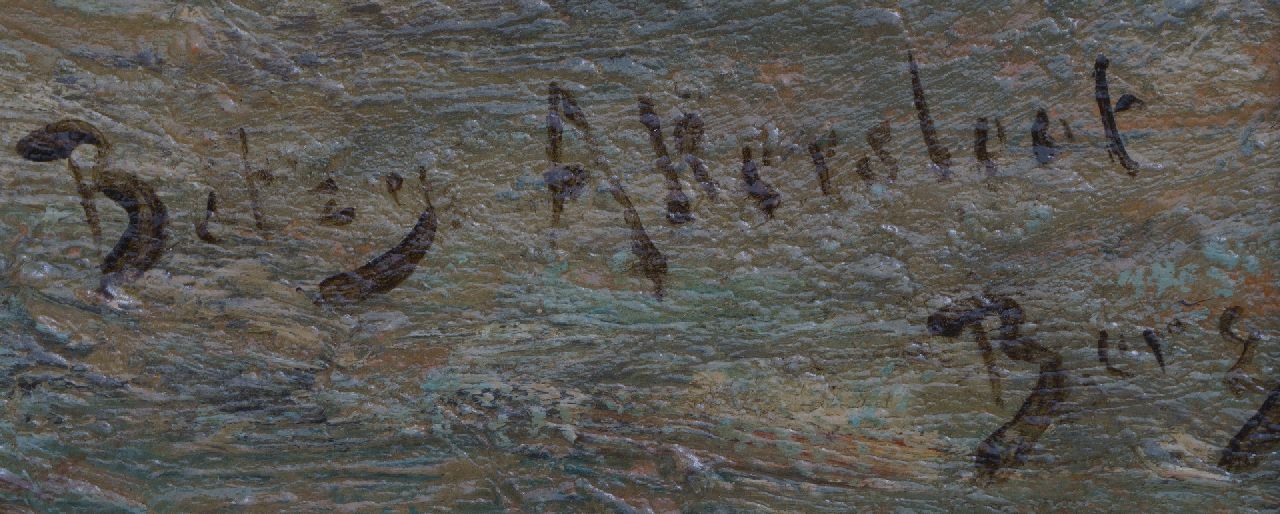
{"points": [[394, 183], [689, 132], [1115, 146], [1009, 444], [334, 217], [1066, 131], [569, 108], [202, 226], [951, 323], [1041, 143], [681, 131], [565, 182], [1154, 343], [863, 169], [386, 271], [989, 362], [829, 141], [58, 141], [1259, 435], [249, 177], [937, 153], [767, 198], [1237, 378], [142, 243], [820, 165], [327, 186], [555, 126], [1128, 101], [703, 176], [879, 138], [85, 190], [344, 216], [1104, 358], [1227, 322], [981, 133], [1000, 131], [678, 210], [652, 263]]}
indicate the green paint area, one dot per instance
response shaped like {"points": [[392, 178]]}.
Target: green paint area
{"points": [[1037, 216], [1161, 276], [864, 415], [1216, 251], [1167, 276], [1228, 287]]}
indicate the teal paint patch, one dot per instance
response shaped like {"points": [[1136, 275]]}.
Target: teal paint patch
{"points": [[554, 272], [790, 448], [53, 216], [621, 261], [1162, 275], [603, 311], [50, 332], [1251, 264], [1038, 215], [528, 183], [887, 369], [1247, 144], [1228, 289], [1217, 252], [904, 399], [1132, 277], [1165, 275], [612, 405], [857, 415], [864, 414]]}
